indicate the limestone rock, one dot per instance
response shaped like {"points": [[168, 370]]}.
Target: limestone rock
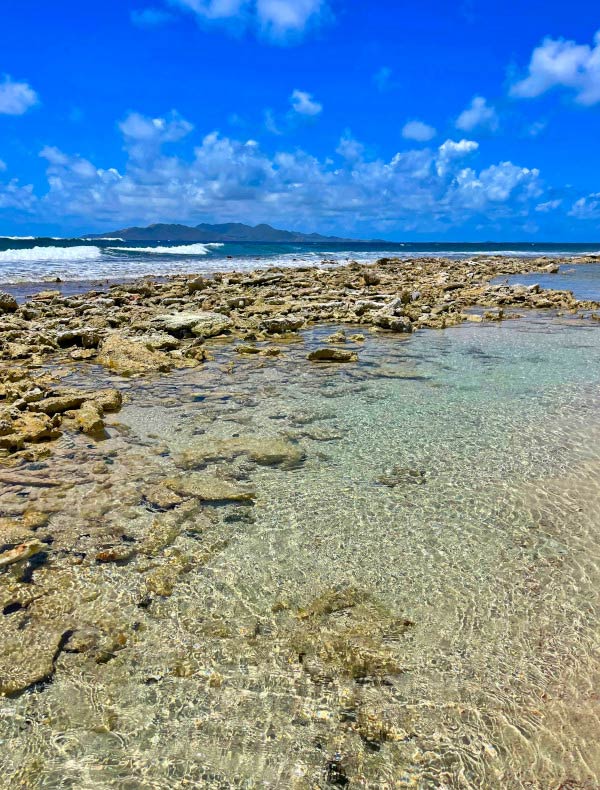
{"points": [[200, 324], [8, 303], [27, 655], [209, 488], [130, 357], [282, 324], [263, 451], [332, 355]]}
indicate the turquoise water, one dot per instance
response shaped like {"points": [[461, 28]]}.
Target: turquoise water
{"points": [[583, 280], [447, 514], [27, 260]]}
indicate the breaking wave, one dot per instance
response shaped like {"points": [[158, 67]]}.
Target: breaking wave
{"points": [[184, 249], [41, 254]]}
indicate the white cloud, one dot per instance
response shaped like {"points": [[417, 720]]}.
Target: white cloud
{"points": [[451, 151], [559, 63], [2, 166], [303, 103], [279, 21], [16, 97], [150, 17], [479, 114], [228, 179], [417, 130], [586, 207], [494, 185]]}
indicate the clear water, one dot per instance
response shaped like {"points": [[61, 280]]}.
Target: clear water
{"points": [[240, 677], [28, 260], [583, 280]]}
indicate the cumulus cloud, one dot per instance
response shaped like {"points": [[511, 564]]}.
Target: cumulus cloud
{"points": [[478, 115], [557, 63], [417, 130], [229, 179], [303, 103], [279, 21], [16, 97], [450, 151]]}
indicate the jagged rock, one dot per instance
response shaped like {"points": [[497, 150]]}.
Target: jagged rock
{"points": [[332, 355], [8, 303], [395, 323], [197, 284], [89, 419], [337, 337], [28, 427], [200, 324], [131, 357], [282, 324], [84, 337]]}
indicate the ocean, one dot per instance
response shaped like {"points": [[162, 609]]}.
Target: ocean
{"points": [[36, 260]]}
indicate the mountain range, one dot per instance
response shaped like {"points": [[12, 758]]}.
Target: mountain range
{"points": [[227, 232]]}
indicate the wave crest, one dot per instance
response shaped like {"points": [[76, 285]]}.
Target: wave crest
{"points": [[182, 249], [35, 254]]}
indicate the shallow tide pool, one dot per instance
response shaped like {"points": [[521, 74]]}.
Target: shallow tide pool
{"points": [[410, 602]]}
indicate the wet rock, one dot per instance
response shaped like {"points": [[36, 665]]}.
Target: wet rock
{"points": [[337, 337], [403, 475], [263, 451], [27, 655], [23, 551], [89, 419], [332, 355], [84, 337], [161, 341], [121, 553], [394, 323], [131, 357], [357, 338], [209, 488], [282, 324], [159, 497]]}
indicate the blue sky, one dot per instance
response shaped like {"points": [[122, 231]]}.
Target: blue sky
{"points": [[467, 120]]}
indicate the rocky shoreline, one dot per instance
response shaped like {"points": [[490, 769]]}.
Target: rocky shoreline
{"points": [[100, 526], [149, 327]]}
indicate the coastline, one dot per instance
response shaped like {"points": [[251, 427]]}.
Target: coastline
{"points": [[155, 518]]}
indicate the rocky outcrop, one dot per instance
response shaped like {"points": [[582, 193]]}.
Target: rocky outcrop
{"points": [[129, 357]]}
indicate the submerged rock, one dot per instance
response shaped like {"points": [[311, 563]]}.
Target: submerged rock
{"points": [[332, 355], [263, 451], [209, 488]]}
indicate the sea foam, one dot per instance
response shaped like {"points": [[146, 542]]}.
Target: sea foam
{"points": [[31, 254], [183, 249]]}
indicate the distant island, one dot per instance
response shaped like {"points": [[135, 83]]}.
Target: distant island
{"points": [[227, 232]]}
